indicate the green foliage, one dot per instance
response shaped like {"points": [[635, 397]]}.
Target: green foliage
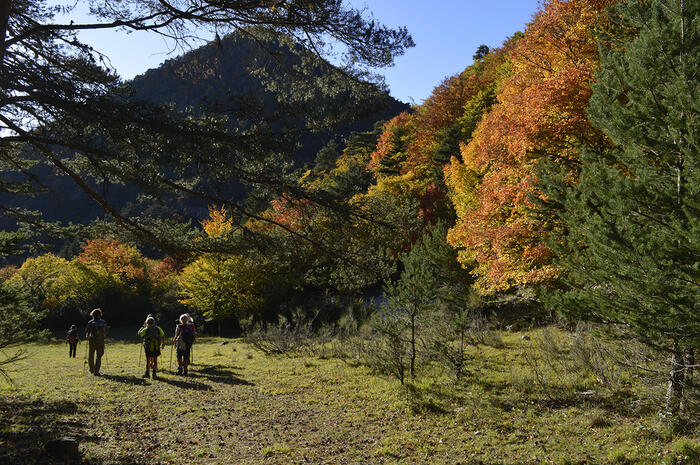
{"points": [[221, 286], [40, 279], [631, 254], [403, 317], [106, 274], [475, 109], [481, 52], [19, 323], [456, 308]]}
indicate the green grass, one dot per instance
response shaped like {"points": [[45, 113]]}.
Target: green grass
{"points": [[242, 407]]}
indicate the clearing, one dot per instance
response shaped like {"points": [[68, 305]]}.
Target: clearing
{"points": [[239, 406]]}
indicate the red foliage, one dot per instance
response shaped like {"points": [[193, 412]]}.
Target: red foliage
{"points": [[166, 267], [428, 208]]}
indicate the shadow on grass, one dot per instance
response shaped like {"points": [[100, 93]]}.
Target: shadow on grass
{"points": [[28, 425], [427, 399], [184, 384], [558, 397], [133, 380], [220, 374]]}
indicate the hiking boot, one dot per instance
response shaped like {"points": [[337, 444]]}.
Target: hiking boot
{"points": [[179, 370], [184, 372], [154, 376], [146, 375], [97, 373]]}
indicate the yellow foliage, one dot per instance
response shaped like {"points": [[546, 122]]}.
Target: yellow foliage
{"points": [[218, 223]]}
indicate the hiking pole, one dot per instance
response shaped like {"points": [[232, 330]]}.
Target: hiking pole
{"points": [[140, 350], [171, 357], [85, 361]]}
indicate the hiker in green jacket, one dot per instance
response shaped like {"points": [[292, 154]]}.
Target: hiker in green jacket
{"points": [[153, 340]]}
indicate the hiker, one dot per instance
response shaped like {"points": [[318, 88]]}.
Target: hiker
{"points": [[95, 333], [184, 338], [153, 340], [72, 339]]}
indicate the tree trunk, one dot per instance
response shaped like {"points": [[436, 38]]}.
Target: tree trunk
{"points": [[413, 344], [688, 369], [461, 353], [674, 394]]}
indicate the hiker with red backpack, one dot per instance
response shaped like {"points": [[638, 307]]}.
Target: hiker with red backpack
{"points": [[72, 339], [184, 338], [153, 340]]}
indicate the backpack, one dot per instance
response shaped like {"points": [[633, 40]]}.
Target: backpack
{"points": [[151, 340], [73, 336], [187, 334], [97, 329]]}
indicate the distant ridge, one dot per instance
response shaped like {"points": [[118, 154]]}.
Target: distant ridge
{"points": [[209, 76]]}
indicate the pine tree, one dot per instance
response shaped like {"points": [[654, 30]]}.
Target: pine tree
{"points": [[18, 324], [409, 299], [632, 250]]}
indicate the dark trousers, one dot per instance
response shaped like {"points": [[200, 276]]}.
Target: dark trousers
{"points": [[71, 349], [97, 349]]}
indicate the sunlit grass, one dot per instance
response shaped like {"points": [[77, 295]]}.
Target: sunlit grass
{"points": [[242, 407]]}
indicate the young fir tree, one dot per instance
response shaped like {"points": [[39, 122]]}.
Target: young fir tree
{"points": [[409, 300], [632, 252], [455, 299], [428, 306]]}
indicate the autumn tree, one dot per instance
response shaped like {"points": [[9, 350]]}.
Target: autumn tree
{"points": [[540, 115], [111, 275], [413, 149], [222, 285], [39, 278]]}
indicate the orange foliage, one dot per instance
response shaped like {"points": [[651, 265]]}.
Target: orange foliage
{"points": [[448, 101], [392, 142], [540, 114], [114, 258], [293, 215]]}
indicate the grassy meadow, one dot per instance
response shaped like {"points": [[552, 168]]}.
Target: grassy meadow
{"points": [[239, 406]]}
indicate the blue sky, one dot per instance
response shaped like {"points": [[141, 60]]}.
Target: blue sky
{"points": [[446, 32]]}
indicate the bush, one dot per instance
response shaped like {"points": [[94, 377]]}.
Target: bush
{"points": [[290, 335]]}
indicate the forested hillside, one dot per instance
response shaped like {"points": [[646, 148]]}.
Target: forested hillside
{"points": [[216, 78]]}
